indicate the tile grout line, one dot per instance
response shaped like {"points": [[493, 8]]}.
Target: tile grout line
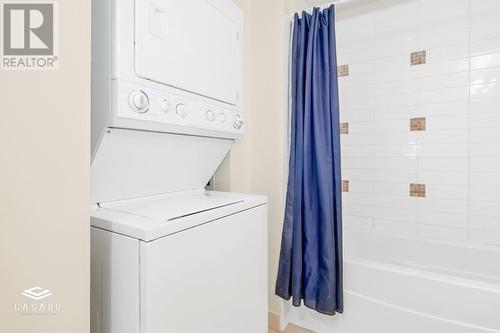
{"points": [[469, 123]]}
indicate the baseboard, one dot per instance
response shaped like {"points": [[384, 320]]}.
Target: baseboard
{"points": [[274, 324]]}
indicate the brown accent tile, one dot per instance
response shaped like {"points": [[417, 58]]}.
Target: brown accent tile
{"points": [[417, 124], [345, 186], [417, 190], [418, 58], [343, 70], [344, 128]]}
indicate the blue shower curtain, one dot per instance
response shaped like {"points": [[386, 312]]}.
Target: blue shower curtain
{"points": [[310, 267]]}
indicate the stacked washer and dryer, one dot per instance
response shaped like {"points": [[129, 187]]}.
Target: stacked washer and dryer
{"points": [[167, 255]]}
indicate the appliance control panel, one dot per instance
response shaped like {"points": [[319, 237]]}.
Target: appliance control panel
{"points": [[147, 104]]}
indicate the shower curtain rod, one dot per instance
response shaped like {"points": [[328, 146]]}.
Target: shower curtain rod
{"points": [[328, 4]]}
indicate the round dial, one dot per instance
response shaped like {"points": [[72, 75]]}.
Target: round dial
{"points": [[238, 122], [210, 115], [222, 117], [165, 105], [139, 101], [181, 110]]}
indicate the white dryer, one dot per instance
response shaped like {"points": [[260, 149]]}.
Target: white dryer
{"points": [[167, 104]]}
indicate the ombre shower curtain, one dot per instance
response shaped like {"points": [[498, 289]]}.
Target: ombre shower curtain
{"points": [[310, 267]]}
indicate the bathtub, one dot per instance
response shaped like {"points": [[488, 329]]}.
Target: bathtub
{"points": [[406, 285]]}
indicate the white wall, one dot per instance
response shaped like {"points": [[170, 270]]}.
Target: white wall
{"points": [[44, 180], [457, 91], [256, 161]]}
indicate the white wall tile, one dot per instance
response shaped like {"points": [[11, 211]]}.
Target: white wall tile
{"points": [[356, 127], [482, 134], [456, 47], [485, 61], [444, 163], [484, 105], [481, 120], [358, 151], [488, 164], [395, 227], [488, 223], [395, 163], [357, 186], [357, 198], [447, 191], [443, 205], [388, 138], [357, 162], [357, 221], [395, 214], [443, 219], [444, 81], [485, 46], [483, 193], [483, 14], [446, 177], [432, 11], [403, 176], [457, 90], [392, 125], [444, 109], [485, 90], [484, 178], [357, 210], [443, 233], [392, 188], [402, 99], [443, 95], [447, 122], [397, 201], [356, 139], [404, 112], [485, 237], [357, 174], [443, 136], [485, 76], [409, 150], [485, 208], [444, 67], [482, 6], [486, 30], [443, 150]]}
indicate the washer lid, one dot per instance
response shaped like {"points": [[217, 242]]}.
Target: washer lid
{"points": [[173, 207], [154, 217]]}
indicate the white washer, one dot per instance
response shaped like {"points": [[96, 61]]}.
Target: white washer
{"points": [[168, 256], [189, 262]]}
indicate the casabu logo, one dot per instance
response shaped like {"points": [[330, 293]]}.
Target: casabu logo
{"points": [[29, 35], [36, 293], [36, 306]]}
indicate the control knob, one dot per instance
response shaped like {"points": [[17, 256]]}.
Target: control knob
{"points": [[222, 117], [139, 101], [165, 105], [181, 110], [210, 115], [238, 122]]}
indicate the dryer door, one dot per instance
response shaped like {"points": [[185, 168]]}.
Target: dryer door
{"points": [[191, 45]]}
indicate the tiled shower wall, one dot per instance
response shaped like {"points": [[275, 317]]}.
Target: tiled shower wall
{"points": [[420, 111]]}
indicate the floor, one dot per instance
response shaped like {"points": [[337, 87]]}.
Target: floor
{"points": [[291, 329], [274, 326]]}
